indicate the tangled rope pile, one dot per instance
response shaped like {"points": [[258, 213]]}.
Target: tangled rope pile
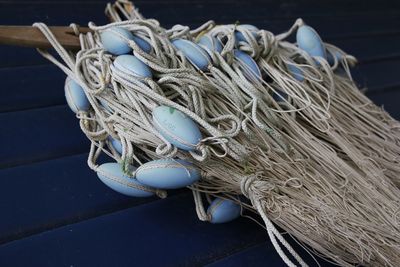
{"points": [[294, 135]]}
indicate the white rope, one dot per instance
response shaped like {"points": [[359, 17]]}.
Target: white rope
{"points": [[311, 168]]}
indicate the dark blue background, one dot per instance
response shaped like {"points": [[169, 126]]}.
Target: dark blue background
{"points": [[54, 210]]}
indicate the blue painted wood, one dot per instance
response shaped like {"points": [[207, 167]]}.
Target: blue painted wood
{"points": [[31, 87], [257, 256], [389, 99], [367, 49], [21, 56], [330, 26], [333, 18], [45, 195], [58, 192], [247, 11], [262, 255], [161, 233], [39, 134], [41, 86], [62, 13], [363, 42], [376, 75]]}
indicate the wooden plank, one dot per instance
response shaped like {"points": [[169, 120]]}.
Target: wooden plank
{"points": [[56, 14], [263, 255], [257, 256], [65, 13], [389, 99], [54, 193], [31, 87], [284, 8], [370, 48], [177, 2], [20, 56], [162, 233], [39, 134], [376, 75], [42, 86], [25, 56], [186, 14]]}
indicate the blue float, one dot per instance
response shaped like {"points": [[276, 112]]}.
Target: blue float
{"points": [[296, 72], [309, 40], [176, 127], [240, 37], [75, 96], [115, 44], [105, 106], [223, 210], [131, 65], [331, 57], [282, 97], [193, 52], [116, 144], [167, 173], [212, 43], [111, 174], [250, 68]]}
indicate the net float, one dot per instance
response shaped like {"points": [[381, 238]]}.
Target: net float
{"points": [[116, 144], [193, 52], [167, 173], [75, 96], [296, 72], [309, 40], [131, 65], [176, 127], [113, 41], [223, 210], [239, 35], [250, 68], [111, 174], [211, 42]]}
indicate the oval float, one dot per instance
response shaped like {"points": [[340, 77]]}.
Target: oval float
{"points": [[75, 95], [115, 44], [196, 55], [331, 57], [309, 40], [296, 72], [251, 70], [167, 173], [211, 43], [111, 175], [176, 127], [104, 104], [240, 37], [282, 97], [131, 65], [223, 210], [117, 145]]}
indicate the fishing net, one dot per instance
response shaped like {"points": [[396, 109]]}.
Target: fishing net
{"points": [[285, 134]]}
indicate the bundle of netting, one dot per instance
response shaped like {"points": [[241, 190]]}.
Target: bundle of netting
{"points": [[247, 121]]}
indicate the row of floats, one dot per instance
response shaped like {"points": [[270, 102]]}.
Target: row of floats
{"points": [[176, 127], [170, 173]]}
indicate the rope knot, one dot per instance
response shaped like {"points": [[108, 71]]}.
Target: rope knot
{"points": [[246, 184], [206, 145]]}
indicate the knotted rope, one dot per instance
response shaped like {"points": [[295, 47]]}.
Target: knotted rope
{"points": [[322, 163]]}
